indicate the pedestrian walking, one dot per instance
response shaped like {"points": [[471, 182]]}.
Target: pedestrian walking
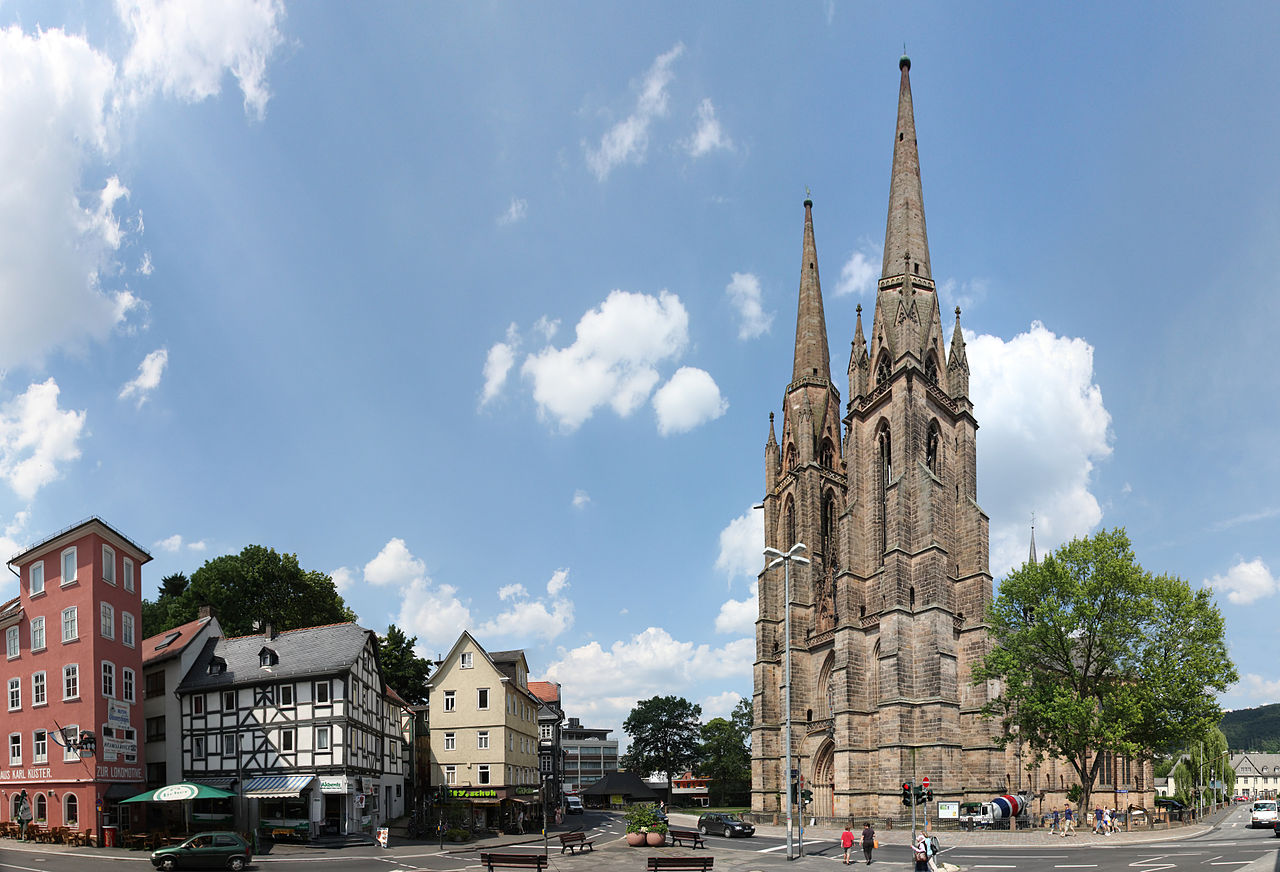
{"points": [[1068, 821], [1097, 821], [1054, 828], [846, 842], [868, 841], [931, 848], [920, 845]]}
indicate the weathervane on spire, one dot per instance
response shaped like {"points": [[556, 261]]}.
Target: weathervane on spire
{"points": [[806, 193]]}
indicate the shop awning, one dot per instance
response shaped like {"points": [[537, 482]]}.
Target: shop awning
{"points": [[176, 792], [277, 786], [220, 783]]}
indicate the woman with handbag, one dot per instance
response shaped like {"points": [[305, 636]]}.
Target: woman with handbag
{"points": [[920, 845], [868, 841]]}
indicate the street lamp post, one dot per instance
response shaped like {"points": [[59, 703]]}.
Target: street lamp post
{"points": [[792, 555]]}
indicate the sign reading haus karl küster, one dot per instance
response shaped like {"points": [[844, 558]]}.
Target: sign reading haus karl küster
{"points": [[887, 618]]}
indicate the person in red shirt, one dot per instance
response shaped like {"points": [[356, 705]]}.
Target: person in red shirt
{"points": [[846, 842]]}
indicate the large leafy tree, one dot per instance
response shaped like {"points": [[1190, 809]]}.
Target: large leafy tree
{"points": [[258, 584], [665, 734], [1204, 762], [725, 756], [1094, 653], [402, 669], [156, 615]]}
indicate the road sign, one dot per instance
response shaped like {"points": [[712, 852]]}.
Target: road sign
{"points": [[925, 782]]}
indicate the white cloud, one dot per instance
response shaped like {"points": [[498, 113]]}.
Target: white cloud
{"points": [[720, 705], [1247, 518], [498, 363], [558, 582], [394, 565], [964, 294], [512, 591], [606, 683], [343, 579], [1254, 690], [36, 437], [11, 542], [612, 359], [175, 543], [182, 49], [690, 398], [745, 295], [1044, 426], [515, 212], [742, 546], [546, 327], [197, 546], [628, 140], [860, 271], [146, 268], [525, 616], [709, 136], [1245, 582], [739, 616], [433, 613], [148, 379], [580, 498]]}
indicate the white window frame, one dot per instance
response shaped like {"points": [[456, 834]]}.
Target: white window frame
{"points": [[482, 774], [288, 740], [451, 741], [482, 740], [451, 774], [450, 701], [127, 635], [316, 694], [14, 696], [108, 622], [232, 702], [39, 689], [482, 699], [109, 565], [40, 746], [69, 557], [71, 681], [128, 574], [15, 749], [197, 747], [71, 810], [35, 579], [322, 738], [128, 685], [466, 660], [12, 643], [37, 634], [197, 704], [71, 624], [108, 673], [286, 690]]}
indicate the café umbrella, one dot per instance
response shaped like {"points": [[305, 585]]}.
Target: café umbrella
{"points": [[180, 792]]}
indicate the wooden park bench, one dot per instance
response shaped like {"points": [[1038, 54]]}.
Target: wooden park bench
{"points": [[704, 863], [691, 836], [514, 861], [575, 842]]}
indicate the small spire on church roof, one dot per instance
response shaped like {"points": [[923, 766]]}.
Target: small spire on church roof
{"points": [[812, 355], [905, 227], [1032, 557]]}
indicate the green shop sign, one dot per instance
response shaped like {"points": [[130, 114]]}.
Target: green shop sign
{"points": [[463, 793], [526, 791]]}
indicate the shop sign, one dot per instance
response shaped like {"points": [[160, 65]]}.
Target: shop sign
{"points": [[176, 792], [333, 784], [469, 793], [42, 773], [122, 747], [526, 791], [124, 773], [118, 714]]}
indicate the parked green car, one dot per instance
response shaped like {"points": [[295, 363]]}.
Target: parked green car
{"points": [[205, 851]]}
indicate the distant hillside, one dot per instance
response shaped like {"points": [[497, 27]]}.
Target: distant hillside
{"points": [[1255, 729]]}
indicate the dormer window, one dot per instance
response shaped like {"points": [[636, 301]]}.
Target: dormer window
{"points": [[218, 666], [268, 657]]}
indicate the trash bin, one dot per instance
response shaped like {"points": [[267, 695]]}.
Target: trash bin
{"points": [[109, 837]]}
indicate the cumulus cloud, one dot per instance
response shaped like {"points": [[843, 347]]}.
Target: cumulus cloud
{"points": [[612, 360], [343, 579], [690, 398], [742, 546], [1253, 690], [607, 682], [546, 327], [745, 296], [526, 616], [709, 136], [860, 271], [964, 294], [175, 543], [739, 616], [628, 140], [580, 498], [720, 705], [1044, 426], [36, 438], [148, 377], [515, 212], [558, 582], [11, 542], [183, 49], [1245, 582], [498, 363], [394, 565]]}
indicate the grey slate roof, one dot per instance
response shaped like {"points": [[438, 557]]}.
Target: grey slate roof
{"points": [[308, 651], [1251, 763]]}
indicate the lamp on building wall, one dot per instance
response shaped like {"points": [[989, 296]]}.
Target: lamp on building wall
{"points": [[792, 555]]}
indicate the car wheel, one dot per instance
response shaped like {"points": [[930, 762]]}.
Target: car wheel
{"points": [[728, 833], [703, 828], [235, 864], [168, 864]]}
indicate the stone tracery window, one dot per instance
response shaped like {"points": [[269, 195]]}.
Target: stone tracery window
{"points": [[933, 445], [789, 524], [883, 370], [931, 369]]}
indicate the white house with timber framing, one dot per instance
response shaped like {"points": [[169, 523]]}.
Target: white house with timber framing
{"points": [[301, 726]]}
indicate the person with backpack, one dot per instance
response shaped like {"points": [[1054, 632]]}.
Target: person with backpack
{"points": [[920, 845]]}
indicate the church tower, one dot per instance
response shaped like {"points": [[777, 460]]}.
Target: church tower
{"points": [[887, 619]]}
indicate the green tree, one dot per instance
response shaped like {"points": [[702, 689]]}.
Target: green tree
{"points": [[725, 758], [259, 584], [1094, 653], [402, 669], [1204, 761], [743, 718], [665, 733], [159, 616]]}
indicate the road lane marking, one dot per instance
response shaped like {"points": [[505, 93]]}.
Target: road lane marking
{"points": [[991, 866], [1076, 866]]}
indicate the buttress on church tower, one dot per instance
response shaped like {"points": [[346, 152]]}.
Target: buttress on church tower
{"points": [[887, 621]]}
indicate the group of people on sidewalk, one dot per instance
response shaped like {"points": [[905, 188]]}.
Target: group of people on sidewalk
{"points": [[867, 839], [925, 847]]}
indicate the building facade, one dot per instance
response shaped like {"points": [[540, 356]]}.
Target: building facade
{"points": [[73, 662], [1257, 775], [589, 755], [484, 733], [550, 749], [166, 659], [887, 620], [300, 725]]}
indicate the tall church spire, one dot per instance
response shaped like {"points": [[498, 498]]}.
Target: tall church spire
{"points": [[812, 355], [905, 232]]}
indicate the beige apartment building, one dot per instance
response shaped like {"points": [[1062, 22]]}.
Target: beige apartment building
{"points": [[484, 733]]}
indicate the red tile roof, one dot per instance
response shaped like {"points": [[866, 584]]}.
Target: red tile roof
{"points": [[156, 649], [547, 691]]}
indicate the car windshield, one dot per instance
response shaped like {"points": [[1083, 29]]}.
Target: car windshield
{"points": [[1264, 806]]}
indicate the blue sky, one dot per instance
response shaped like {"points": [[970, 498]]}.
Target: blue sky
{"points": [[483, 307]]}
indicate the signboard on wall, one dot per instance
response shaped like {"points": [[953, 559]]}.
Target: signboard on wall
{"points": [[948, 810], [333, 784], [118, 714]]}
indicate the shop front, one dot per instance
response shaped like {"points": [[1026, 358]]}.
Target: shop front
{"points": [[287, 806]]}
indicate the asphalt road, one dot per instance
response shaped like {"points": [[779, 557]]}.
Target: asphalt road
{"points": [[1229, 847]]}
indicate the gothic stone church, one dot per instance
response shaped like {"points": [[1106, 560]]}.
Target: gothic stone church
{"points": [[887, 621]]}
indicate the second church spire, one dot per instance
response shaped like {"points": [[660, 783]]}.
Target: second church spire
{"points": [[812, 355], [905, 238]]}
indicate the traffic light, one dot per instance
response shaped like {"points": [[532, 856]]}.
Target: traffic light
{"points": [[906, 793], [928, 796], [806, 796]]}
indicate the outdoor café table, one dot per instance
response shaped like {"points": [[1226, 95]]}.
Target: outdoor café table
{"points": [[136, 841]]}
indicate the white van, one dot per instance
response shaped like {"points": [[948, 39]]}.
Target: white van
{"points": [[1264, 814], [573, 804]]}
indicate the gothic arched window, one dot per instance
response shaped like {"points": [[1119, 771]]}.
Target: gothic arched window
{"points": [[883, 370], [828, 455], [791, 457], [933, 444], [885, 444], [789, 524], [829, 529], [931, 368]]}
